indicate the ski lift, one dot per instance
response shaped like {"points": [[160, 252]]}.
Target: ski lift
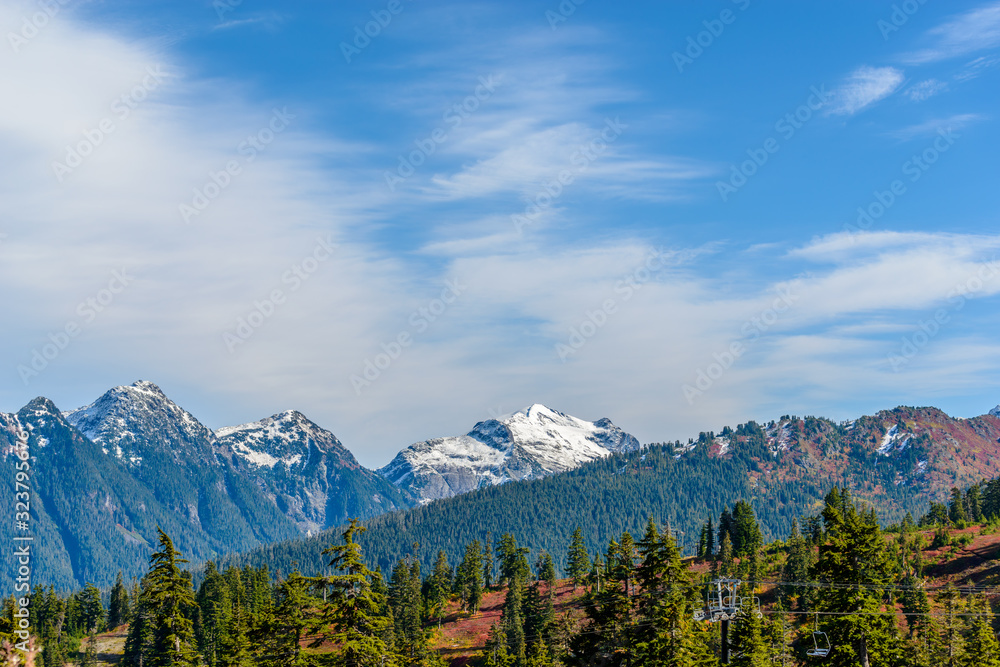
{"points": [[819, 651]]}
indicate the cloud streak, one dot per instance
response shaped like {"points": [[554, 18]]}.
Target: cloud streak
{"points": [[864, 87]]}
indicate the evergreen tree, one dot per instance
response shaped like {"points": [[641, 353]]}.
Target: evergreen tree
{"points": [[982, 647], [608, 608], [496, 651], [974, 503], [215, 619], [710, 540], [953, 641], [91, 608], [748, 644], [725, 525], [406, 603], [545, 567], [666, 636], [488, 563], [353, 615], [469, 578], [439, 588], [280, 634], [855, 553], [118, 609], [956, 508], [797, 566], [723, 564], [578, 560], [513, 561], [162, 633]]}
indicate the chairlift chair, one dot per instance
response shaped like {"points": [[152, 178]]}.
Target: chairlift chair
{"points": [[819, 651]]}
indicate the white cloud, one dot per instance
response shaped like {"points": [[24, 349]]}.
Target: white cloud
{"points": [[496, 345], [933, 126], [925, 90], [967, 33], [864, 87]]}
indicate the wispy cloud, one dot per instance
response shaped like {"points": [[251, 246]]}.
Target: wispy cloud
{"points": [[955, 122], [864, 87], [925, 90], [966, 33], [976, 67]]}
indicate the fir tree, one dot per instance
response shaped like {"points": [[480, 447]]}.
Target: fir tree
{"points": [[956, 508], [162, 633], [118, 609], [216, 615], [666, 636], [982, 648], [749, 646], [439, 588], [280, 634], [579, 560], [469, 578], [353, 616], [855, 554], [91, 608]]}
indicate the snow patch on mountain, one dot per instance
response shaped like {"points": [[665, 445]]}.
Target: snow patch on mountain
{"points": [[995, 411], [131, 420], [282, 438], [779, 437], [894, 440], [534, 442]]}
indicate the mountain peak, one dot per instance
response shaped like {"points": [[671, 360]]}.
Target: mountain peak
{"points": [[283, 437], [995, 411], [131, 419], [534, 442]]}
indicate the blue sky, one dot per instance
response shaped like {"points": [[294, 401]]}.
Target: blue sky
{"points": [[676, 215]]}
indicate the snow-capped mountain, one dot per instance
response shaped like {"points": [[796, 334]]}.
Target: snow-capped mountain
{"points": [[995, 411], [307, 471], [535, 442], [131, 421]]}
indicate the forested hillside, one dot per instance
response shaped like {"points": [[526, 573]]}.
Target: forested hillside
{"points": [[839, 592], [784, 474]]}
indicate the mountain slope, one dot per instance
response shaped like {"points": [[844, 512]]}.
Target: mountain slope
{"points": [[306, 471], [89, 516], [106, 475], [898, 460], [535, 442], [174, 455]]}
